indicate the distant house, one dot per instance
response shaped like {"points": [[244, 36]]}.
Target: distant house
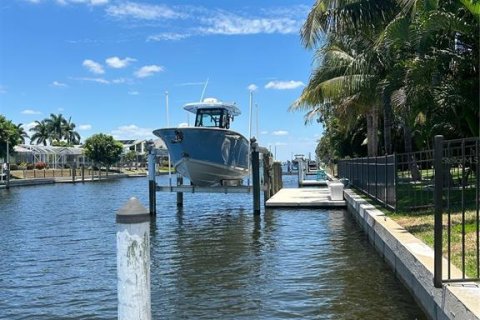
{"points": [[140, 146], [54, 157]]}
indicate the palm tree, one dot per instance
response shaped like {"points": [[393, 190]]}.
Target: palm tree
{"points": [[21, 133], [41, 133], [353, 74], [56, 125], [69, 133]]}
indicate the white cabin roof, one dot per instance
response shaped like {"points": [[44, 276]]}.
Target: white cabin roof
{"points": [[210, 103]]}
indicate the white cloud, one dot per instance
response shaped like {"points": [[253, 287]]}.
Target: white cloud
{"points": [[264, 132], [143, 11], [117, 63], [284, 85], [58, 84], [132, 132], [85, 127], [168, 36], [121, 80], [280, 133], [133, 93], [30, 112], [93, 66], [3, 90], [88, 2], [97, 80], [148, 71], [230, 24], [252, 87]]}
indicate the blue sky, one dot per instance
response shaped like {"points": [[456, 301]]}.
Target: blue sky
{"points": [[107, 64]]}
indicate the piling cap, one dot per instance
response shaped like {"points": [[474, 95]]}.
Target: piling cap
{"points": [[133, 212]]}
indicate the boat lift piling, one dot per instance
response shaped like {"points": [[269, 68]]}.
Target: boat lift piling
{"points": [[270, 184]]}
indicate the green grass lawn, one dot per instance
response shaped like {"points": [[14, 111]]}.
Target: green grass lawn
{"points": [[421, 226]]}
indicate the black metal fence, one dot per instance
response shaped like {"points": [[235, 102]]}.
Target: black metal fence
{"points": [[374, 176], [445, 181], [456, 199]]}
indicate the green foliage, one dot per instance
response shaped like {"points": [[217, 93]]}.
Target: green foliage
{"points": [[8, 131], [102, 148], [56, 130], [417, 60]]}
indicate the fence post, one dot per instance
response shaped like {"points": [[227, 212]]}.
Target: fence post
{"points": [[133, 262], [437, 197]]}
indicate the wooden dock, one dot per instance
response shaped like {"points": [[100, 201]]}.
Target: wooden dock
{"points": [[303, 198]]}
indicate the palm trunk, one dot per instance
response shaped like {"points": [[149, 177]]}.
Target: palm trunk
{"points": [[372, 129], [412, 163], [387, 121]]}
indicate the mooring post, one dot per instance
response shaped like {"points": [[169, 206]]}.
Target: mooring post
{"points": [[300, 172], [438, 223], [152, 186], [277, 173], [7, 175], [179, 194], [83, 173], [255, 176], [133, 262], [74, 171], [266, 177]]}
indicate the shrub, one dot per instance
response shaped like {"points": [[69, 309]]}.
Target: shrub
{"points": [[30, 166], [13, 167], [40, 165]]}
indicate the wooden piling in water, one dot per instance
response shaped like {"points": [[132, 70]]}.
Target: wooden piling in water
{"points": [[179, 194], [255, 176], [152, 186]]}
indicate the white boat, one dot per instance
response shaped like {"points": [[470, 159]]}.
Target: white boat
{"points": [[209, 153]]}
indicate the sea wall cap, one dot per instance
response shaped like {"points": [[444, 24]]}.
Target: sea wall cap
{"points": [[133, 212]]}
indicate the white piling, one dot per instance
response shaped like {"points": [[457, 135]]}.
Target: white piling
{"points": [[133, 262]]}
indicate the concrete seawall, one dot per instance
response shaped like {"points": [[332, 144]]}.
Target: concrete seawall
{"points": [[412, 262]]}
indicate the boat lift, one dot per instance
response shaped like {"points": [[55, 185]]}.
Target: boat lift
{"points": [[271, 182]]}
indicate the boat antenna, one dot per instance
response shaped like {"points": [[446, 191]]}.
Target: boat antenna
{"points": [[203, 91]]}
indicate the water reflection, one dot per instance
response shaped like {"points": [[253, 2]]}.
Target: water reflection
{"points": [[211, 259]]}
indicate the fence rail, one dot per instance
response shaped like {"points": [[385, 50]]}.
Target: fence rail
{"points": [[374, 176]]}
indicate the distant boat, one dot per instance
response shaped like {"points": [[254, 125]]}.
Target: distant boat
{"points": [[209, 153]]}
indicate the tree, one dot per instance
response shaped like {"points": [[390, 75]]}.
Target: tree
{"points": [[130, 157], [41, 133], [103, 149], [10, 133], [56, 126], [417, 60], [21, 133], [72, 136]]}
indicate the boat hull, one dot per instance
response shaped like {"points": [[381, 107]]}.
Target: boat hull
{"points": [[207, 156]]}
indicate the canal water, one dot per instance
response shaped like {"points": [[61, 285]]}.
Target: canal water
{"points": [[210, 260]]}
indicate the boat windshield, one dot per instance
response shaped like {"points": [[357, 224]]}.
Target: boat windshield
{"points": [[212, 117]]}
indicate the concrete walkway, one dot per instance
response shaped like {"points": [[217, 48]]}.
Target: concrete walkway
{"points": [[303, 198]]}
